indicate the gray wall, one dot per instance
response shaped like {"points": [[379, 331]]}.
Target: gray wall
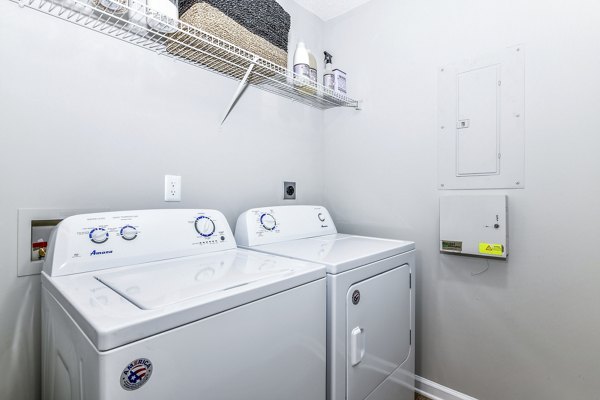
{"points": [[527, 328], [89, 121]]}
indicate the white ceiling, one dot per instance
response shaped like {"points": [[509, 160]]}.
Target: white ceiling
{"points": [[327, 9]]}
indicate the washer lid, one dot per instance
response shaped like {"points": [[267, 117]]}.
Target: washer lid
{"points": [[339, 252], [157, 286], [134, 302]]}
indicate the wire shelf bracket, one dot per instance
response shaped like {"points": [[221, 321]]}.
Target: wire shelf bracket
{"points": [[241, 88]]}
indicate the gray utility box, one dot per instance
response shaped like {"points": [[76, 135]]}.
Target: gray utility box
{"points": [[474, 225]]}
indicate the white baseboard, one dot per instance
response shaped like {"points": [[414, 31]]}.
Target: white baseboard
{"points": [[435, 391]]}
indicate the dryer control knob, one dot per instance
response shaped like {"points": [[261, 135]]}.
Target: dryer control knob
{"points": [[268, 222], [321, 217], [128, 232], [98, 235], [205, 226]]}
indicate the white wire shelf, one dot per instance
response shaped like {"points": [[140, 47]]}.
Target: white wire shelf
{"points": [[193, 46]]}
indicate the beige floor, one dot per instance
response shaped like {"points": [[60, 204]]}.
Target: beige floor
{"points": [[420, 397]]}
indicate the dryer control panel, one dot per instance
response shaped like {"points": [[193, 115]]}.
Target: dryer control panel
{"points": [[282, 223], [91, 242]]}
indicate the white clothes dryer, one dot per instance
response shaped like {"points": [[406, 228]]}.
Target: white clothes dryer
{"points": [[161, 304], [370, 297]]}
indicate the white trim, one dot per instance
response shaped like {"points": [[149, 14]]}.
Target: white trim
{"points": [[435, 391]]}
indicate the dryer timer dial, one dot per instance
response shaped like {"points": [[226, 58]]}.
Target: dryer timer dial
{"points": [[268, 222]]}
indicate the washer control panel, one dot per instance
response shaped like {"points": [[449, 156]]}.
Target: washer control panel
{"points": [[128, 232], [102, 233], [98, 241], [276, 224], [98, 235], [205, 226], [99, 229]]}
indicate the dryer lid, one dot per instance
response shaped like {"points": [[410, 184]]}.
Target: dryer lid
{"points": [[339, 252]]}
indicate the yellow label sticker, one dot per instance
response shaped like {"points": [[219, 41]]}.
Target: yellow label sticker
{"points": [[492, 249]]}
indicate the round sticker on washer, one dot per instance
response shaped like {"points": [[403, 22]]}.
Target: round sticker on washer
{"points": [[136, 374]]}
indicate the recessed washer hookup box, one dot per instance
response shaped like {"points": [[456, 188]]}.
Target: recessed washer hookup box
{"points": [[474, 225]]}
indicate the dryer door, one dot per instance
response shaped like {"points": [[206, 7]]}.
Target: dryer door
{"points": [[378, 330]]}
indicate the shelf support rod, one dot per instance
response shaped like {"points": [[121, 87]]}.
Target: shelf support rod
{"points": [[241, 87]]}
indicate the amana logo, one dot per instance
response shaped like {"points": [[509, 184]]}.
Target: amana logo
{"points": [[99, 253]]}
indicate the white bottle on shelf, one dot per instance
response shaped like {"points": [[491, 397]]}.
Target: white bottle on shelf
{"points": [[328, 76], [137, 17], [163, 15], [83, 7], [341, 81], [118, 8], [301, 65], [313, 68]]}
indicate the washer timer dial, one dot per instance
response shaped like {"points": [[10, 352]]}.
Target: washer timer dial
{"points": [[268, 222], [205, 226], [98, 235]]}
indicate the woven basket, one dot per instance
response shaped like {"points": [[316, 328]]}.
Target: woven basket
{"points": [[265, 18], [214, 22]]}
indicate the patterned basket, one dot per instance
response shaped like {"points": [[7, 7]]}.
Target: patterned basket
{"points": [[265, 18], [261, 33]]}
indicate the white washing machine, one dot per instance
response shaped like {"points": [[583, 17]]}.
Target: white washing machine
{"points": [[370, 297], [163, 305]]}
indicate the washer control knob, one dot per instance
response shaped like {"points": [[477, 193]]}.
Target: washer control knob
{"points": [[321, 217], [129, 232], [205, 226], [98, 235], [268, 222]]}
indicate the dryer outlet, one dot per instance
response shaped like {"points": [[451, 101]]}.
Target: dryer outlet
{"points": [[289, 190]]}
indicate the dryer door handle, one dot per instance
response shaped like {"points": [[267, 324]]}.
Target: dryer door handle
{"points": [[357, 345]]}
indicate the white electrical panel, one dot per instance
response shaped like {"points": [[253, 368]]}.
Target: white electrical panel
{"points": [[481, 116], [477, 127], [474, 225]]}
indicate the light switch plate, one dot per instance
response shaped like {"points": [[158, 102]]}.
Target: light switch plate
{"points": [[172, 188]]}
